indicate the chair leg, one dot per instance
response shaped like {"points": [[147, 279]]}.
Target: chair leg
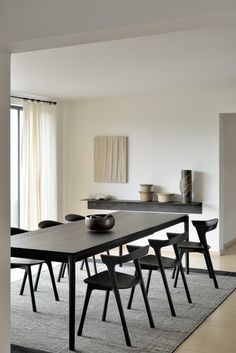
{"points": [[166, 287], [104, 314], [31, 288], [149, 313], [187, 262], [148, 281], [181, 253], [211, 268], [63, 270], [37, 278], [59, 277], [207, 265], [122, 316], [95, 265], [185, 282], [87, 297], [176, 277], [87, 267], [49, 264], [23, 282], [174, 272], [82, 265], [131, 298], [120, 252]]}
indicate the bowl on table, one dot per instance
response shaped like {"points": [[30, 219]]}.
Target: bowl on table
{"points": [[100, 222]]}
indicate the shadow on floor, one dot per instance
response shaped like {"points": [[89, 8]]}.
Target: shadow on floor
{"points": [[20, 349]]}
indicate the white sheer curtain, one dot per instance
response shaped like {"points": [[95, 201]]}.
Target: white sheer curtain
{"points": [[38, 180]]}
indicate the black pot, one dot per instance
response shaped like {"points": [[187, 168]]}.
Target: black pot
{"points": [[100, 222]]}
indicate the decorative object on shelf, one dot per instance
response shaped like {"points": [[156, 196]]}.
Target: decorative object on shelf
{"points": [[146, 196], [146, 193], [164, 197], [146, 187], [101, 197], [186, 186], [100, 222], [110, 159]]}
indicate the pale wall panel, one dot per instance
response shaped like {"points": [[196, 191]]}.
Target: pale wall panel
{"points": [[110, 159]]}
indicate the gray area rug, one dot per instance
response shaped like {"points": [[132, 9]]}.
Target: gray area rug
{"points": [[47, 329]]}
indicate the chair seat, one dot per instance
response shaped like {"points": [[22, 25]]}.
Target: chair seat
{"points": [[20, 262], [192, 245], [102, 281], [149, 262]]}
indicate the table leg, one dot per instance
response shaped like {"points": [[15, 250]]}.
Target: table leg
{"points": [[71, 261], [186, 230]]}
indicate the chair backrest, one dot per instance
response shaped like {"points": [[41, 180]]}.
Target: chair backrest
{"points": [[202, 227], [15, 231], [205, 226], [111, 261], [48, 223], [72, 217], [173, 239]]}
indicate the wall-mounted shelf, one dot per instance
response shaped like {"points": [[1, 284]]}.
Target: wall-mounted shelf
{"points": [[153, 206]]}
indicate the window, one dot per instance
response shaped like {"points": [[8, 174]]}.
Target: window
{"points": [[15, 137]]}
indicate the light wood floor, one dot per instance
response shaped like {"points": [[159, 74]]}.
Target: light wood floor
{"points": [[217, 334]]}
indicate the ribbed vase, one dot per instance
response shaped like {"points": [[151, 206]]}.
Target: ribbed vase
{"points": [[186, 186]]}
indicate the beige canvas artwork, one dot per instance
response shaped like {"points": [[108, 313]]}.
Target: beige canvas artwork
{"points": [[110, 159]]}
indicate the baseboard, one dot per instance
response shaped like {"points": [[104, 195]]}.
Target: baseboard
{"points": [[227, 245]]}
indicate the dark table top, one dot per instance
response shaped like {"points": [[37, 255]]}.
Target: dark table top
{"points": [[59, 242]]}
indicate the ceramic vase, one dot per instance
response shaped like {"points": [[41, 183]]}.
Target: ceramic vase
{"points": [[186, 186]]}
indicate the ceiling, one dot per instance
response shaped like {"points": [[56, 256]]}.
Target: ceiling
{"points": [[31, 25], [165, 63], [111, 48]]}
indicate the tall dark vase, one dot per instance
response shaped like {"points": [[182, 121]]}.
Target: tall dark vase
{"points": [[186, 186]]}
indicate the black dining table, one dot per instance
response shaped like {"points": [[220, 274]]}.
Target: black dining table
{"points": [[72, 242]]}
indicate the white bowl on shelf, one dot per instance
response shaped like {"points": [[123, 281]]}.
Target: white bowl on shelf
{"points": [[164, 197]]}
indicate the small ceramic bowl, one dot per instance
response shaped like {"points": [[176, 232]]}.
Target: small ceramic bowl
{"points": [[146, 187], [164, 197], [100, 222]]}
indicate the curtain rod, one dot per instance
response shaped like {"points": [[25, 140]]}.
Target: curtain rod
{"points": [[34, 100]]}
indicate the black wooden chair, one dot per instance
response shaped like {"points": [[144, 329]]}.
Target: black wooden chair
{"points": [[202, 227], [44, 224], [26, 265], [50, 223], [111, 280], [72, 217], [158, 262]]}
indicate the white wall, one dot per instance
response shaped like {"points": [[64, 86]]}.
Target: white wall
{"points": [[228, 176], [166, 134], [5, 202]]}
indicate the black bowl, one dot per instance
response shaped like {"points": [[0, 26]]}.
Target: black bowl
{"points": [[100, 222]]}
